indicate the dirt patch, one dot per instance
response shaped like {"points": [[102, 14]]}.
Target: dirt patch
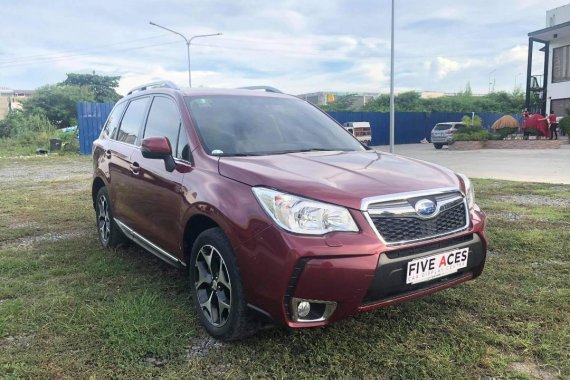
{"points": [[533, 370], [154, 362], [18, 341], [534, 200], [510, 216], [23, 225], [28, 241], [201, 346]]}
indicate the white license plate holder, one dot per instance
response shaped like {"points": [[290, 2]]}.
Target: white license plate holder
{"points": [[434, 266]]}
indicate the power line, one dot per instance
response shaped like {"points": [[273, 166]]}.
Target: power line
{"points": [[40, 59], [65, 57], [55, 55]]}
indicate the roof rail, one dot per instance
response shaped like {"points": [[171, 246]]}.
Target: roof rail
{"points": [[157, 84], [266, 88]]}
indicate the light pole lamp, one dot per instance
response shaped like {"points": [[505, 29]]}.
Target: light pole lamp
{"points": [[188, 42]]}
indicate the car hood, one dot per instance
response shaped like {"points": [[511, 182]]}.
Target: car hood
{"points": [[342, 178]]}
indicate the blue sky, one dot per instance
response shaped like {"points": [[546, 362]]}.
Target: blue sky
{"points": [[298, 46]]}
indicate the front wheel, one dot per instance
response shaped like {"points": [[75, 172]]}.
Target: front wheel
{"points": [[437, 146], [217, 290]]}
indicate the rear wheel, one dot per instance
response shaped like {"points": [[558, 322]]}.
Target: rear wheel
{"points": [[217, 289], [109, 233], [437, 146]]}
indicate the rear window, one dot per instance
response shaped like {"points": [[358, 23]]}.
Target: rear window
{"points": [[442, 127]]}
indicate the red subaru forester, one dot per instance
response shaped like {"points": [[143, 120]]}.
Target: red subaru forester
{"points": [[276, 210]]}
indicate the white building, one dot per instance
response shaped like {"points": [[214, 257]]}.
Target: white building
{"points": [[551, 89]]}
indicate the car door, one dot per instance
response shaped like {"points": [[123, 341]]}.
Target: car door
{"points": [[160, 193], [122, 171]]}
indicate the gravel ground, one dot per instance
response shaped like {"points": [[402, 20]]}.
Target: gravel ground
{"points": [[42, 169], [534, 200]]}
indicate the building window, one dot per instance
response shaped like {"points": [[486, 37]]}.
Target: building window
{"points": [[559, 106], [561, 64]]}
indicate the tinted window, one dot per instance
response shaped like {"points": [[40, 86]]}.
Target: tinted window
{"points": [[163, 120], [258, 125], [113, 120], [442, 127], [132, 121], [561, 64], [459, 126]]}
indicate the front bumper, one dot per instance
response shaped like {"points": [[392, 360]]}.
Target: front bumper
{"points": [[354, 270]]}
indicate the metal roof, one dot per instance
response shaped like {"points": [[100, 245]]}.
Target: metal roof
{"points": [[552, 32]]}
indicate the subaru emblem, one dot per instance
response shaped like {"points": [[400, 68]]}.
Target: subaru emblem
{"points": [[425, 207]]}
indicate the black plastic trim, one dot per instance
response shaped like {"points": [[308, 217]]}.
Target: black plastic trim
{"points": [[293, 284]]}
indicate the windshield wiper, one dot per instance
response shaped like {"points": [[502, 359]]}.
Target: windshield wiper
{"points": [[238, 154], [314, 150]]}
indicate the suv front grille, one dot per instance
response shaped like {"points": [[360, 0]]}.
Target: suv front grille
{"points": [[397, 222]]}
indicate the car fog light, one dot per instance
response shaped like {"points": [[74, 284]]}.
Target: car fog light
{"points": [[303, 309]]}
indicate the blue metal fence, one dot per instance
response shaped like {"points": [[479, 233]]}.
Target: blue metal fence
{"points": [[90, 120], [409, 127]]}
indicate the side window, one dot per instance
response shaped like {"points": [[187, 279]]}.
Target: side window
{"points": [[164, 120], [132, 121], [113, 120]]}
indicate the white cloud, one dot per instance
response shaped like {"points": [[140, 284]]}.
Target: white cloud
{"points": [[515, 54], [442, 66]]}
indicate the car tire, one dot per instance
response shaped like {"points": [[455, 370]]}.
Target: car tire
{"points": [[110, 235], [438, 146], [217, 289]]}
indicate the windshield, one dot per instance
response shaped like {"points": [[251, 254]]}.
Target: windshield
{"points": [[231, 125], [442, 127]]}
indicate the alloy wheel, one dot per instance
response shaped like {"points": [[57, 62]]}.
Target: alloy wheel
{"points": [[103, 220], [213, 285]]}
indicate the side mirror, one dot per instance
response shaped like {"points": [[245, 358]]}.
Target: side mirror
{"points": [[158, 148]]}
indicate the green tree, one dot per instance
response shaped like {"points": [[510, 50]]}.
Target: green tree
{"points": [[381, 103], [409, 101], [17, 124], [57, 103], [468, 91], [477, 121], [103, 87]]}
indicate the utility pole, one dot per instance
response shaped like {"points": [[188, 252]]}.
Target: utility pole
{"points": [[392, 113]]}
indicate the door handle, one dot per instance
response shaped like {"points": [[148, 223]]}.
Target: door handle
{"points": [[135, 168], [108, 153]]}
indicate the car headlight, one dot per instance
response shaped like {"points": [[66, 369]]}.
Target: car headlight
{"points": [[304, 216], [469, 191]]}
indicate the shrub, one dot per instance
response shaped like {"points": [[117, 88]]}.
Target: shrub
{"points": [[565, 124], [477, 121], [503, 132], [471, 134]]}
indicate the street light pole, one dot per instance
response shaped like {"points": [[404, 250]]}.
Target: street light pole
{"points": [[490, 83], [392, 83], [188, 42]]}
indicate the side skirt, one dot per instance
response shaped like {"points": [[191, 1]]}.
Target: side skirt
{"points": [[149, 246]]}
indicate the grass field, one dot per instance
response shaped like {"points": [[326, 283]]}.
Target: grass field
{"points": [[69, 309]]}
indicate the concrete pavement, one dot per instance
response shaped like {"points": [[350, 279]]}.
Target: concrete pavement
{"points": [[544, 165]]}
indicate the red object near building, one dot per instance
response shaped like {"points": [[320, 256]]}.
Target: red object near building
{"points": [[538, 123]]}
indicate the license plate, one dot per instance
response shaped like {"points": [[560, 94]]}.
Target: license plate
{"points": [[439, 265]]}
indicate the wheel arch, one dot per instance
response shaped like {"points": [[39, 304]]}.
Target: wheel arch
{"points": [[98, 183], [195, 225]]}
